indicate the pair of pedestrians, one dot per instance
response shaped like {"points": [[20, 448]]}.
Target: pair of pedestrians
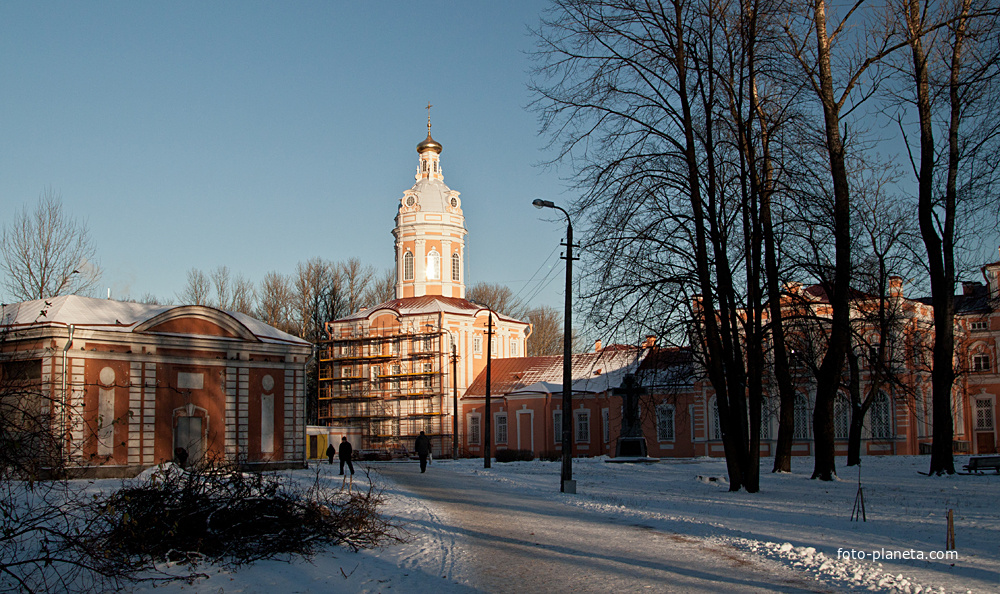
{"points": [[345, 453]]}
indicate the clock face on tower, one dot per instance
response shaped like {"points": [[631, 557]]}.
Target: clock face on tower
{"points": [[454, 202]]}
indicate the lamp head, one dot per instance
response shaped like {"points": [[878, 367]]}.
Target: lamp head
{"points": [[539, 203]]}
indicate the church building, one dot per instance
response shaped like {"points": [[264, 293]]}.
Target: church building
{"points": [[396, 369]]}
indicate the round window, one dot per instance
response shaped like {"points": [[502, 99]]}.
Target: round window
{"points": [[454, 202], [410, 201]]}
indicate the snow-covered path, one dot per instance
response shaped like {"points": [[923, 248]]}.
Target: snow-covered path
{"points": [[515, 542]]}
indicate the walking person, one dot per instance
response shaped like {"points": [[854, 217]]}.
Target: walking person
{"points": [[423, 447], [345, 453], [330, 453]]}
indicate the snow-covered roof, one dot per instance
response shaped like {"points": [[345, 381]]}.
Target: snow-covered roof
{"points": [[595, 372], [120, 316], [427, 304]]}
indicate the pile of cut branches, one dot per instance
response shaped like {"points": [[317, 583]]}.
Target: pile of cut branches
{"points": [[230, 517]]}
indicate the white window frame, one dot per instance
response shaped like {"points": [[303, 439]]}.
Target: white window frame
{"points": [[433, 265], [880, 417], [475, 435], [714, 420], [428, 378], [477, 345], [981, 362], [666, 422], [396, 370], [456, 267], [557, 426], [984, 414], [581, 426], [765, 421], [408, 266], [502, 432], [958, 411], [802, 417], [841, 417], [921, 413]]}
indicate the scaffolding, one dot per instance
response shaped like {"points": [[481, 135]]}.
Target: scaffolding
{"points": [[388, 386]]}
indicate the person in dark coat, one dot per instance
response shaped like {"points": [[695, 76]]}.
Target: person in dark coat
{"points": [[423, 447], [346, 451], [330, 453]]}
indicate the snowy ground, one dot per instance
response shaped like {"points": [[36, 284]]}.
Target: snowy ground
{"points": [[802, 524]]}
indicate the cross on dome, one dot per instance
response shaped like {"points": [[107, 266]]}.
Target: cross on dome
{"points": [[429, 144]]}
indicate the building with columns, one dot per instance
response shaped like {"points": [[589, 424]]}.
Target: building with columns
{"points": [[396, 369], [123, 385]]}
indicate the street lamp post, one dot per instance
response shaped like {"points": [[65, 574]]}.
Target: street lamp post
{"points": [[566, 484]]}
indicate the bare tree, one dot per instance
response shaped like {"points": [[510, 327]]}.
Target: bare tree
{"points": [[244, 297], [382, 288], [953, 75], [665, 109], [47, 253], [838, 52], [497, 297], [546, 331], [883, 232], [221, 281], [275, 299], [198, 289], [318, 296], [357, 279]]}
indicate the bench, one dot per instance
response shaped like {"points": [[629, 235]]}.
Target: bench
{"points": [[980, 463]]}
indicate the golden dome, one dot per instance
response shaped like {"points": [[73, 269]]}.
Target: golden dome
{"points": [[429, 144]]}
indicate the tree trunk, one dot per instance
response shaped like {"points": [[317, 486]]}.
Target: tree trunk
{"points": [[831, 369], [940, 247]]}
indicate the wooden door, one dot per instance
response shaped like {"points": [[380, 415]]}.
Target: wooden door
{"points": [[986, 443]]}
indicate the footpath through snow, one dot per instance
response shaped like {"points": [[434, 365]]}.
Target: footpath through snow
{"points": [[510, 541], [661, 527]]}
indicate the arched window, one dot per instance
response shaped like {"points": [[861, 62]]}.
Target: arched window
{"points": [[408, 266], [456, 267], [434, 265], [802, 425], [841, 417], [879, 416]]}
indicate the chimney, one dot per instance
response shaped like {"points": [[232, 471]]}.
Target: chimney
{"points": [[597, 345], [895, 286], [970, 288]]}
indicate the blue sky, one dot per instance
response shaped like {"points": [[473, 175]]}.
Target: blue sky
{"points": [[260, 134]]}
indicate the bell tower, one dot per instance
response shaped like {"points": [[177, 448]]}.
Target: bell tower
{"points": [[430, 231]]}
